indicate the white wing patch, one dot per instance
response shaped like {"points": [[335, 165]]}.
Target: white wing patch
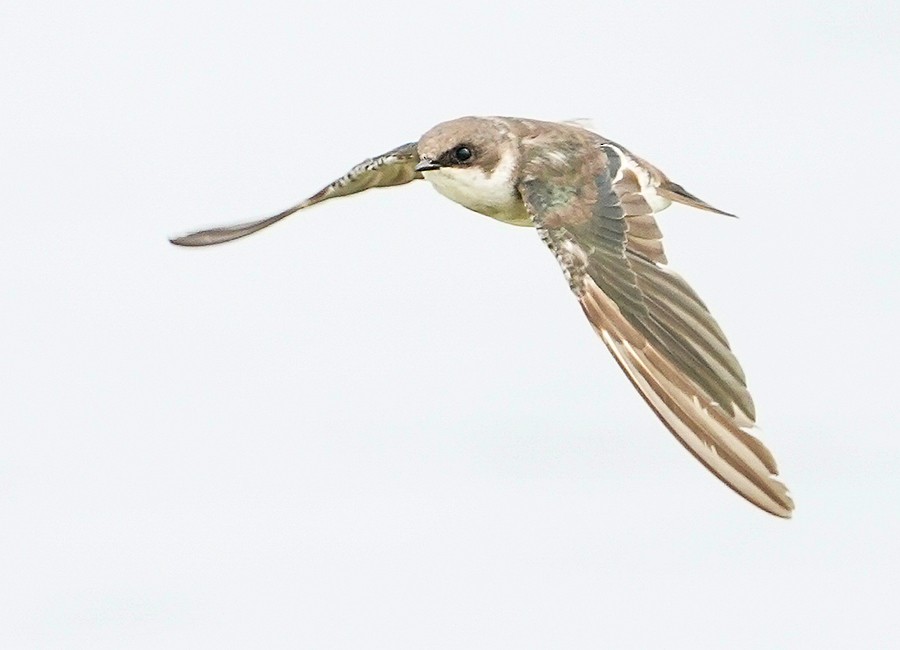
{"points": [[646, 180]]}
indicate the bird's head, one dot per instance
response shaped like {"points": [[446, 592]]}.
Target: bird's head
{"points": [[466, 143], [471, 160]]}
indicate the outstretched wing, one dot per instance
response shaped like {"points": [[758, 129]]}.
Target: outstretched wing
{"points": [[593, 204], [396, 167]]}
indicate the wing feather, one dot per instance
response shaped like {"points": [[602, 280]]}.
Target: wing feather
{"points": [[396, 167], [657, 328]]}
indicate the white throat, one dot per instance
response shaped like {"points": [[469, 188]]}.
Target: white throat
{"points": [[493, 194]]}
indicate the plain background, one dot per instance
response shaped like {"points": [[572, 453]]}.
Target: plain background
{"points": [[385, 423]]}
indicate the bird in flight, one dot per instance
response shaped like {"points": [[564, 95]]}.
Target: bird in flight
{"points": [[594, 204]]}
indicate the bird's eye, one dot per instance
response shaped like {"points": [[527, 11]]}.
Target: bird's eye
{"points": [[462, 154]]}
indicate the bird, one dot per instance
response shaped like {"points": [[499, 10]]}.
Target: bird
{"points": [[594, 204]]}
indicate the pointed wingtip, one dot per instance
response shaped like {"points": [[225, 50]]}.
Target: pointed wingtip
{"points": [[784, 506], [183, 240], [205, 238], [223, 234]]}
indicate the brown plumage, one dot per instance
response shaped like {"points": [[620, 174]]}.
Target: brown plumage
{"points": [[594, 204]]}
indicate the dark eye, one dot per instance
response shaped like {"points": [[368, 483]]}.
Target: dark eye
{"points": [[462, 154]]}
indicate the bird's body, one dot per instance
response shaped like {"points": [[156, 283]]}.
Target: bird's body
{"points": [[593, 203]]}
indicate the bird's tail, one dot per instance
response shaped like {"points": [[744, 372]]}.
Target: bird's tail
{"points": [[674, 192]]}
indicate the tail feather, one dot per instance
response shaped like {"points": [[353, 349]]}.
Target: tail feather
{"points": [[674, 192]]}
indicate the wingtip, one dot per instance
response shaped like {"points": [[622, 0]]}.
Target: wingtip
{"points": [[779, 501], [194, 240], [179, 241], [784, 510]]}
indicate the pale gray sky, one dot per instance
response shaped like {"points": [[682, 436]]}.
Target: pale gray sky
{"points": [[385, 423]]}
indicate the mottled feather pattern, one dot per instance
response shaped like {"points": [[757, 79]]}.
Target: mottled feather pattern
{"points": [[395, 167]]}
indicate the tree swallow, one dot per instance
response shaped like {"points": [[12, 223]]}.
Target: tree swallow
{"points": [[594, 204]]}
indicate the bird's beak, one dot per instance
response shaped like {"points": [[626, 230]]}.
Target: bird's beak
{"points": [[426, 165]]}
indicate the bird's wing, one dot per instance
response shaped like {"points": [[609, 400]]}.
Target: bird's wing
{"points": [[593, 204], [396, 167]]}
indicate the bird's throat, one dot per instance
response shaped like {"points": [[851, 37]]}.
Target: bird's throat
{"points": [[490, 193]]}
